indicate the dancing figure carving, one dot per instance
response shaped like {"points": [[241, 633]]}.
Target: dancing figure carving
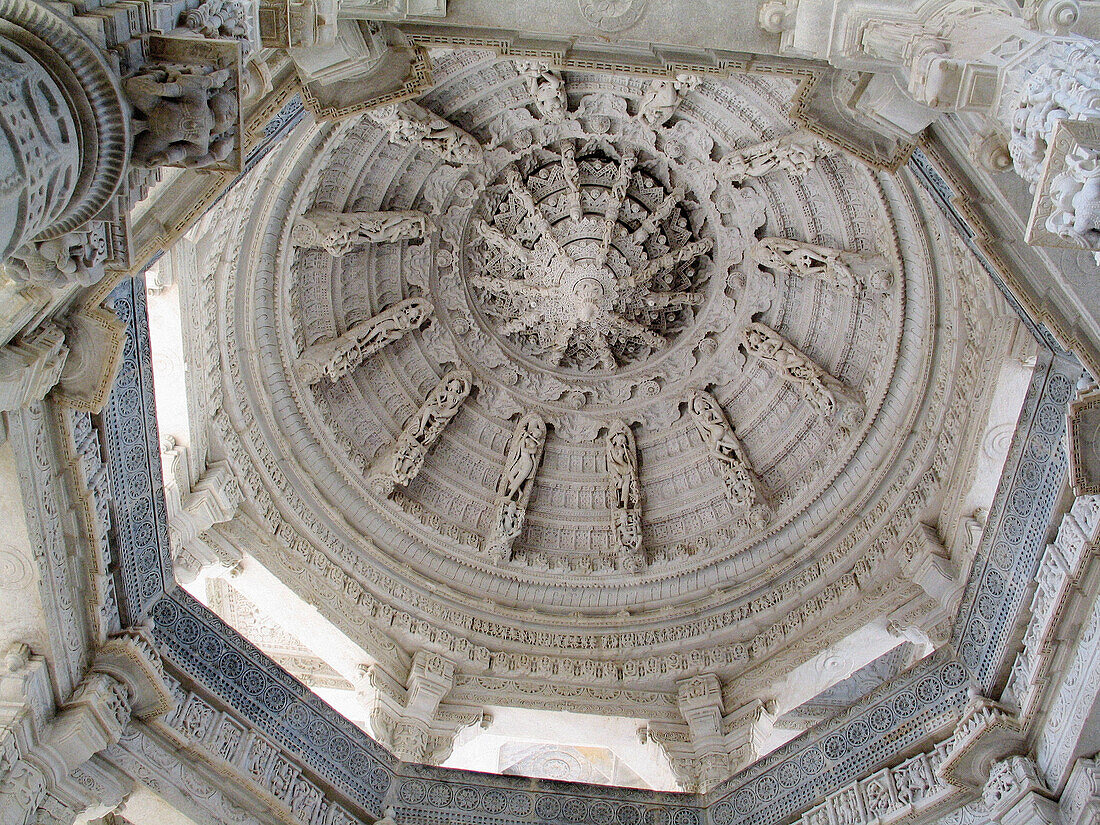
{"points": [[517, 480], [820, 390], [409, 124], [405, 459], [795, 153], [336, 358]]}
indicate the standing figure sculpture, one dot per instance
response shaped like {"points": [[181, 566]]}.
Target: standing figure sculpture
{"points": [[795, 153], [547, 90], [517, 480], [662, 99], [337, 357], [622, 467], [340, 232], [404, 461], [742, 486]]}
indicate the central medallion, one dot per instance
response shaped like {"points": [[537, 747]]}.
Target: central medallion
{"points": [[584, 259]]}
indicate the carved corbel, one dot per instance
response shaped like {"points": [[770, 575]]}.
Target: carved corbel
{"points": [[410, 124], [926, 564], [131, 659], [856, 273], [795, 153], [336, 358], [1015, 794], [820, 390], [743, 487], [700, 702], [626, 501]]}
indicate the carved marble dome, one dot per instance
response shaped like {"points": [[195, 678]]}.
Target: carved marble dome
{"points": [[600, 255]]}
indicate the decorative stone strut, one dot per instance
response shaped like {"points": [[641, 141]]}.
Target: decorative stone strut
{"points": [[853, 272], [336, 358], [820, 390], [517, 480], [340, 232], [410, 124], [742, 486], [626, 504], [406, 458], [795, 153]]}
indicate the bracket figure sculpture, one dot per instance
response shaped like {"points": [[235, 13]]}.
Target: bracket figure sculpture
{"points": [[337, 357], [794, 153], [626, 501], [517, 480], [1075, 195], [742, 485], [75, 257], [547, 90], [184, 115], [820, 390], [340, 232], [853, 272], [410, 124], [405, 459], [662, 98]]}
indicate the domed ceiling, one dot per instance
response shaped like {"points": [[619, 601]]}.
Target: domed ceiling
{"points": [[588, 378]]}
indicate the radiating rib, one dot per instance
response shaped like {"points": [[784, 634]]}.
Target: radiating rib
{"points": [[607, 357], [524, 322], [519, 189], [561, 340], [634, 330], [494, 237], [507, 286], [654, 218], [660, 300], [687, 252], [614, 204]]}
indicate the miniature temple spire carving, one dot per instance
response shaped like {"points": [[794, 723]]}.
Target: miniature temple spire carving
{"points": [[335, 358], [403, 462], [517, 480], [622, 467], [742, 485]]}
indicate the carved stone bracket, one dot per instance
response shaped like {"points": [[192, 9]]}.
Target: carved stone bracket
{"points": [[30, 368], [795, 153], [854, 272], [517, 480], [743, 487], [987, 732], [1066, 208], [410, 124], [626, 505], [340, 232], [336, 358], [405, 459], [1084, 444]]}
